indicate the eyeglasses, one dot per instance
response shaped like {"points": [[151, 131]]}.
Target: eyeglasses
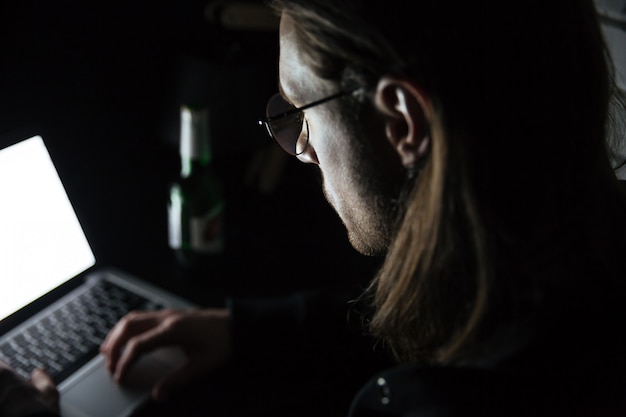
{"points": [[284, 122]]}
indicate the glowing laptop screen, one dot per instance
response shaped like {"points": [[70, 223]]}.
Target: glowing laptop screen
{"points": [[42, 243]]}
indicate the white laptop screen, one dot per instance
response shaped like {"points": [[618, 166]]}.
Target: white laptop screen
{"points": [[42, 244]]}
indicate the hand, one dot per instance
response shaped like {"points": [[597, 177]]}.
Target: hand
{"points": [[20, 397], [204, 336]]}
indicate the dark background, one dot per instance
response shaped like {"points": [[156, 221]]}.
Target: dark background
{"points": [[103, 81]]}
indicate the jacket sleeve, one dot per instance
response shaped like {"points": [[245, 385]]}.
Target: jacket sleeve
{"points": [[309, 347], [300, 325]]}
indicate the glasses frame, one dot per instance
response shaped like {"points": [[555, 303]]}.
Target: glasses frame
{"points": [[269, 119]]}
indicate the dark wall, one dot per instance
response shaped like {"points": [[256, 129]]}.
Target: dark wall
{"points": [[102, 81]]}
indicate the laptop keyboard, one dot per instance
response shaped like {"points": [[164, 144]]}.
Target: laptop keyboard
{"points": [[70, 336]]}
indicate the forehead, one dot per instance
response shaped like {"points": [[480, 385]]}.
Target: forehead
{"points": [[297, 80]]}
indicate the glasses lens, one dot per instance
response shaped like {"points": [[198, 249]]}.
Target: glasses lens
{"points": [[287, 131]]}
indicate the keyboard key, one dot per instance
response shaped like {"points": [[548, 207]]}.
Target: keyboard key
{"points": [[72, 334]]}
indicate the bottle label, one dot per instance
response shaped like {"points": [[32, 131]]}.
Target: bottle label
{"points": [[202, 234], [206, 231]]}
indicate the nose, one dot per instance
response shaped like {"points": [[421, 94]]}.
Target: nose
{"points": [[308, 156]]}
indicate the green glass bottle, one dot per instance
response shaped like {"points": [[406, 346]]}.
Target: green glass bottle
{"points": [[196, 202]]}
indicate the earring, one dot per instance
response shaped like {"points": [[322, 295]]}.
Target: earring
{"points": [[413, 171]]}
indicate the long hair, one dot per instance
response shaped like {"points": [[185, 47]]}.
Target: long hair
{"points": [[523, 96]]}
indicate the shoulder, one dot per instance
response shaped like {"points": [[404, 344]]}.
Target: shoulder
{"points": [[439, 391], [449, 392]]}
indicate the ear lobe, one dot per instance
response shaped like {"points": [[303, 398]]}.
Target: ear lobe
{"points": [[405, 108]]}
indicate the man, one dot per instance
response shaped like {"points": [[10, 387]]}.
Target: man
{"points": [[466, 143]]}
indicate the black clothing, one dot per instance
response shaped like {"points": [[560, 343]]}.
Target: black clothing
{"points": [[447, 392], [565, 356], [305, 354], [302, 355], [296, 368]]}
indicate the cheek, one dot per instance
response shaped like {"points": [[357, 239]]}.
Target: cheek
{"points": [[328, 139], [332, 150]]}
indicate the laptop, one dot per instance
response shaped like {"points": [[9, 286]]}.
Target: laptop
{"points": [[51, 287]]}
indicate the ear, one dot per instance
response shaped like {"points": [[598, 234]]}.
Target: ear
{"points": [[407, 112]]}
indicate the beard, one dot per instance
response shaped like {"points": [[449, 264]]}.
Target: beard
{"points": [[376, 180]]}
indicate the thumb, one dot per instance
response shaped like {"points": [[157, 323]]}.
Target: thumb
{"points": [[44, 384]]}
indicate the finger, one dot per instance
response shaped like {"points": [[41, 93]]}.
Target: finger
{"points": [[44, 383], [124, 327], [139, 345], [129, 326]]}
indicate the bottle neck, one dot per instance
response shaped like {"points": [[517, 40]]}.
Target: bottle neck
{"points": [[188, 166], [195, 150]]}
